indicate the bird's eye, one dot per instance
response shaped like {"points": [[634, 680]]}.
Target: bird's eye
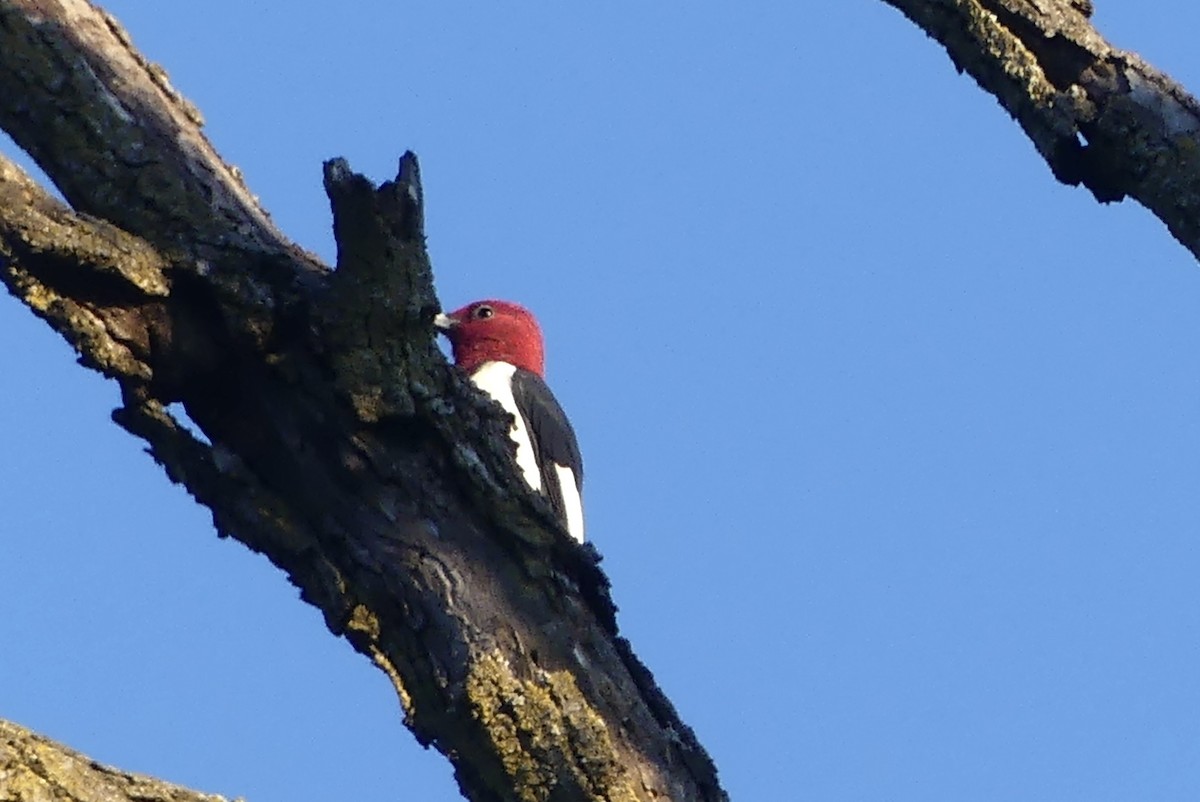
{"points": [[483, 312]]}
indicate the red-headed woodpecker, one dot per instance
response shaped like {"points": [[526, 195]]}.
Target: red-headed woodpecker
{"points": [[499, 345]]}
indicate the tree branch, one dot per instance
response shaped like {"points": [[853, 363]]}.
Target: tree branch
{"points": [[340, 443], [1099, 116], [33, 768], [131, 145]]}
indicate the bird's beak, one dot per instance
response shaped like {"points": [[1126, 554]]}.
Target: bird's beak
{"points": [[444, 322]]}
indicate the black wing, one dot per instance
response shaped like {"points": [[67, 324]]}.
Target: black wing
{"points": [[551, 434]]}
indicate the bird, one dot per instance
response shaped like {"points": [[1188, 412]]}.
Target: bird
{"points": [[499, 345]]}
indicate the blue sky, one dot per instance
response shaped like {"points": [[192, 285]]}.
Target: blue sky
{"points": [[891, 441]]}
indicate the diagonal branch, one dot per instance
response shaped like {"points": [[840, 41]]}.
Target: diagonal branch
{"points": [[339, 442], [129, 148], [1099, 116], [33, 767], [42, 242]]}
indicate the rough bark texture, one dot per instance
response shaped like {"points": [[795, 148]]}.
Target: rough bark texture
{"points": [[341, 444], [1099, 116], [35, 769]]}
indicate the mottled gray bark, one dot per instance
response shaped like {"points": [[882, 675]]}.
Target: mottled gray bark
{"points": [[35, 769], [1099, 116]]}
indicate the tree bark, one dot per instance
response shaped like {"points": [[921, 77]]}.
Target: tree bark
{"points": [[33, 769], [1099, 116], [343, 447], [339, 442]]}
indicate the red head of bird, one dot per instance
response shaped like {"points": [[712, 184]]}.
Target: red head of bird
{"points": [[494, 331]]}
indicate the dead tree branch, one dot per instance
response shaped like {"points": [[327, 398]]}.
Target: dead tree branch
{"points": [[340, 443], [35, 768], [1099, 116]]}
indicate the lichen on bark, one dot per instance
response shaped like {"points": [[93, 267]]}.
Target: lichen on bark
{"points": [[540, 722]]}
